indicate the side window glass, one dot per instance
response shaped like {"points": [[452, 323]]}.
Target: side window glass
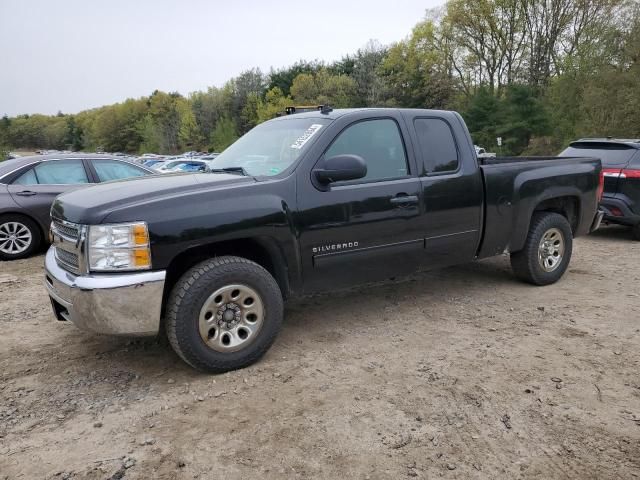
{"points": [[379, 143], [437, 145], [113, 170], [27, 178], [61, 172]]}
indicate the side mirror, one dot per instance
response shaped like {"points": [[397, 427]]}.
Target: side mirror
{"points": [[340, 169]]}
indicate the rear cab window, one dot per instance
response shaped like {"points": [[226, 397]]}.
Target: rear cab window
{"points": [[437, 145]]}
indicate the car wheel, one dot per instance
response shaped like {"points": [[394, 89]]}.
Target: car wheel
{"points": [[636, 231], [224, 314], [547, 250], [19, 237]]}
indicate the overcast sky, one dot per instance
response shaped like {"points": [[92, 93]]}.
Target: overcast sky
{"points": [[70, 55]]}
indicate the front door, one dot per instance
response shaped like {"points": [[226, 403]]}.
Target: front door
{"points": [[364, 230]]}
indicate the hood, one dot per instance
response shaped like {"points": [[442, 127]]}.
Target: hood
{"points": [[92, 204]]}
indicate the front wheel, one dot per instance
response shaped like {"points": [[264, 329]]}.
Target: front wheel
{"points": [[224, 314], [547, 250]]}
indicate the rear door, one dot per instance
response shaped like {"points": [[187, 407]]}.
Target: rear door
{"points": [[451, 187], [36, 188]]}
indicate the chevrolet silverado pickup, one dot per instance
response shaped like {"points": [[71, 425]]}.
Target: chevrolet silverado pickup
{"points": [[305, 203]]}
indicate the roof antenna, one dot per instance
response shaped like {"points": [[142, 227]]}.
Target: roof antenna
{"points": [[325, 109]]}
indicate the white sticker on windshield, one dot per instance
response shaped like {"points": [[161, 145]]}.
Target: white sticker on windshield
{"points": [[306, 136]]}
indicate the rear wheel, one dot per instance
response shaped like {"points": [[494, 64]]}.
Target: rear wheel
{"points": [[547, 250], [19, 237], [224, 314], [636, 231]]}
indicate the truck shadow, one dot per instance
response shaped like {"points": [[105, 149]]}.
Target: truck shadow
{"points": [[368, 301], [612, 233], [306, 319]]}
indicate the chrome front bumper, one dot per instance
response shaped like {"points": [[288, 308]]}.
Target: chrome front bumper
{"points": [[112, 304]]}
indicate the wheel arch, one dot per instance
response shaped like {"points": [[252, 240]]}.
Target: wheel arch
{"points": [[262, 250], [566, 204]]}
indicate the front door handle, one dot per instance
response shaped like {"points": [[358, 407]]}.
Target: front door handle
{"points": [[404, 199], [26, 193]]}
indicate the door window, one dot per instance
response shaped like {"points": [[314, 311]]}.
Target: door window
{"points": [[55, 172], [437, 145], [113, 170], [379, 143], [27, 178]]}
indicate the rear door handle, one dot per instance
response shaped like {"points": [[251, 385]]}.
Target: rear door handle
{"points": [[404, 199], [26, 193]]}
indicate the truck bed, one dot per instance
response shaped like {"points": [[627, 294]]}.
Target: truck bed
{"points": [[516, 186]]}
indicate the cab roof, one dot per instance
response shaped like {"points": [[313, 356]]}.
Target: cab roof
{"points": [[341, 112]]}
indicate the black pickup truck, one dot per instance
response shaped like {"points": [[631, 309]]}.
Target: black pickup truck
{"points": [[305, 203]]}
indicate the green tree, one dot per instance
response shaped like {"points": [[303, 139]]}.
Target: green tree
{"points": [[189, 134], [416, 73], [284, 77], [224, 134], [323, 88], [274, 104]]}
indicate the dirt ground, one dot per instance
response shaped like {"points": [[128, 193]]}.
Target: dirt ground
{"points": [[459, 373]]}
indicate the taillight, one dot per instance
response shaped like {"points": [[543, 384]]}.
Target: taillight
{"points": [[600, 190], [618, 173], [611, 172], [630, 173]]}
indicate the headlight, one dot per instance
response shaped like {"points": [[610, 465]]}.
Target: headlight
{"points": [[122, 246]]}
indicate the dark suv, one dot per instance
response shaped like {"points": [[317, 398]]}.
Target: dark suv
{"points": [[621, 167]]}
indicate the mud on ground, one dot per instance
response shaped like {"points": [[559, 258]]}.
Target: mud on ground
{"points": [[459, 373]]}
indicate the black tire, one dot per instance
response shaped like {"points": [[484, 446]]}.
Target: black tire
{"points": [[636, 231], [8, 222], [196, 287], [526, 264]]}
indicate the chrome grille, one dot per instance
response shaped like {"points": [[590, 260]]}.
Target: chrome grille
{"points": [[68, 242], [67, 260], [68, 230]]}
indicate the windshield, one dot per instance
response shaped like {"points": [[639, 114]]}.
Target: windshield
{"points": [[272, 147]]}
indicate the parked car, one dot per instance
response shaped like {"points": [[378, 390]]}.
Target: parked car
{"points": [[29, 185], [166, 165], [151, 163], [621, 167], [482, 153], [306, 203], [191, 166]]}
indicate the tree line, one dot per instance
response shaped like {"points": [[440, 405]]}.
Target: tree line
{"points": [[537, 73]]}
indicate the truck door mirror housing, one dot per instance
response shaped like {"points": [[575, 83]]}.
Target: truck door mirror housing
{"points": [[340, 168]]}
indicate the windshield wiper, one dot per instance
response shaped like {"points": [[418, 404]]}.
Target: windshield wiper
{"points": [[239, 170]]}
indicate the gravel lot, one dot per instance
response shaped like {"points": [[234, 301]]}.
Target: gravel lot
{"points": [[459, 373]]}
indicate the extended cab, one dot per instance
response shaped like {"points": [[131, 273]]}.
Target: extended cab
{"points": [[305, 203]]}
